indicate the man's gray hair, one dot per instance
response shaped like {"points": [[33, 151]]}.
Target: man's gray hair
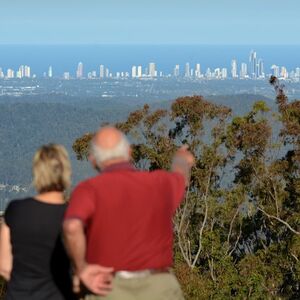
{"points": [[121, 150]]}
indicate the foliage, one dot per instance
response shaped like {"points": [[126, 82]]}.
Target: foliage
{"points": [[238, 230]]}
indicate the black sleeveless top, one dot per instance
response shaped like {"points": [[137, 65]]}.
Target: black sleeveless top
{"points": [[41, 269]]}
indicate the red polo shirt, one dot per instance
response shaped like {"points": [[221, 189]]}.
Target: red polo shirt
{"points": [[128, 216]]}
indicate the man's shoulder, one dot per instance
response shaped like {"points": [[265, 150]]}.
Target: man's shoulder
{"points": [[88, 183]]}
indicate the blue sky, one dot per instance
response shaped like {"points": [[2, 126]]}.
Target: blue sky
{"points": [[149, 22]]}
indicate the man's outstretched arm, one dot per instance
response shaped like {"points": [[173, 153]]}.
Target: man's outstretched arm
{"points": [[96, 278], [183, 161]]}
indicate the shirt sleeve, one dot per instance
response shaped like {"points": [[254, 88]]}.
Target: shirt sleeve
{"points": [[174, 185], [82, 203]]}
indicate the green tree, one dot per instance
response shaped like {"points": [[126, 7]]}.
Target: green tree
{"points": [[237, 231]]}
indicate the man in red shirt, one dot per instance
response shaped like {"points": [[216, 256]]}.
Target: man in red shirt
{"points": [[122, 219]]}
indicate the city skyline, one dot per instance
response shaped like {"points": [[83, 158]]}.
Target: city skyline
{"points": [[253, 69], [152, 22]]}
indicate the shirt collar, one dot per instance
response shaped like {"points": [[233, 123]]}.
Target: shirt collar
{"points": [[121, 166]]}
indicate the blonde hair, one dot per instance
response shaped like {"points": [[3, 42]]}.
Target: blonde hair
{"points": [[51, 169]]}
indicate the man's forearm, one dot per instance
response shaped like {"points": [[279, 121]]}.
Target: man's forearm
{"points": [[75, 243], [181, 166]]}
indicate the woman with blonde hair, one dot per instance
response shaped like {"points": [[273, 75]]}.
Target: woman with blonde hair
{"points": [[32, 256]]}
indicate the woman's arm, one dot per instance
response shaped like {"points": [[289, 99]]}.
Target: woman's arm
{"points": [[5, 252]]}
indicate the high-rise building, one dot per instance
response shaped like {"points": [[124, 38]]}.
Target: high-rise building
{"points": [[152, 70], [198, 71], [27, 71], [101, 71], [187, 72], [50, 73], [284, 73], [260, 69], [208, 73], [217, 73], [66, 75], [79, 72], [139, 71], [243, 73], [133, 72], [234, 72], [1, 73], [10, 73], [253, 64], [176, 71], [107, 72], [224, 73], [275, 70], [21, 72]]}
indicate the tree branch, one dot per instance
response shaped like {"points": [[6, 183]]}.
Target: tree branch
{"points": [[204, 220], [279, 220]]}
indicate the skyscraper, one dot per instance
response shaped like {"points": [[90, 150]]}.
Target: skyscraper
{"points": [[50, 74], [234, 73], [21, 71], [66, 75], [187, 72], [107, 72], [284, 73], [133, 71], [176, 72], [198, 71], [152, 70], [208, 73], [139, 71], [243, 73], [10, 73], [224, 73], [252, 64], [101, 71], [260, 68], [217, 73], [275, 70], [79, 72], [27, 71]]}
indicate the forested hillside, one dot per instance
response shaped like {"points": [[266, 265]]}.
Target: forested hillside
{"points": [[30, 121]]}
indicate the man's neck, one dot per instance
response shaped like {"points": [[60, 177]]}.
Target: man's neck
{"points": [[113, 162]]}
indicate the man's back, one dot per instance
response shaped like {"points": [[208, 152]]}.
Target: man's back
{"points": [[128, 216]]}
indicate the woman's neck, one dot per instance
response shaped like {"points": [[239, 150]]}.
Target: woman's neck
{"points": [[51, 197]]}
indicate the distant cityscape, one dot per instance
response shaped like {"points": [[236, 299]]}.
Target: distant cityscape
{"points": [[254, 70]]}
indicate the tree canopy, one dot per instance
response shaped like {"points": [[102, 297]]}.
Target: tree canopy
{"points": [[238, 229]]}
